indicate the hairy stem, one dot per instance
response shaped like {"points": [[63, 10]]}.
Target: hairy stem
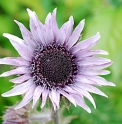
{"points": [[55, 116]]}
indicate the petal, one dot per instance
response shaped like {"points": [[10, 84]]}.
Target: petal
{"points": [[19, 45], [80, 101], [99, 80], [69, 29], [27, 36], [36, 27], [87, 53], [61, 37], [75, 35], [86, 44], [68, 96], [65, 31], [69, 89], [85, 80], [27, 98], [19, 89], [51, 98], [37, 94], [96, 67], [91, 89], [93, 72], [54, 24], [19, 70], [85, 93], [45, 94], [55, 97], [48, 35], [21, 79], [93, 61], [14, 61]]}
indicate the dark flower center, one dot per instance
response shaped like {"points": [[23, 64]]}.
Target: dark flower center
{"points": [[53, 66]]}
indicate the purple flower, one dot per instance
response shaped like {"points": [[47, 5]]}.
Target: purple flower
{"points": [[20, 116], [53, 63]]}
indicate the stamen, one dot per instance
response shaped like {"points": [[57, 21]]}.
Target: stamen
{"points": [[53, 66]]}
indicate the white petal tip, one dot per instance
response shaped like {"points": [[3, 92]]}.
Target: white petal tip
{"points": [[5, 34], [89, 110], [2, 75], [17, 22], [98, 33], [5, 95], [112, 84], [30, 13], [105, 96], [83, 21], [55, 9], [71, 18], [28, 10], [94, 105], [105, 53]]}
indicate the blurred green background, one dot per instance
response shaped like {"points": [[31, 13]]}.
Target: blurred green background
{"points": [[104, 16]]}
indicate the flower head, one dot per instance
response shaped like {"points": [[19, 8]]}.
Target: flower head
{"points": [[20, 116], [53, 63]]}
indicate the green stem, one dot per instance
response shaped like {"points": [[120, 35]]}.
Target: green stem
{"points": [[55, 116]]}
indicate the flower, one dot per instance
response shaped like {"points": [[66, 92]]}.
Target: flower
{"points": [[53, 63], [19, 116]]}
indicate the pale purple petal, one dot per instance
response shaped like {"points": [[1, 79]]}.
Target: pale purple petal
{"points": [[45, 94], [75, 35], [19, 89], [68, 96], [61, 37], [65, 31], [48, 35], [36, 27], [55, 97], [93, 72], [48, 31], [21, 79], [84, 93], [91, 89], [54, 24], [85, 80], [87, 53], [18, 61], [54, 104], [19, 45], [27, 36], [69, 89], [27, 98], [37, 93], [93, 61], [69, 28], [86, 44], [99, 80], [80, 101], [96, 67], [48, 20], [19, 70]]}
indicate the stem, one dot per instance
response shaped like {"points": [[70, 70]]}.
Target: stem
{"points": [[55, 116]]}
